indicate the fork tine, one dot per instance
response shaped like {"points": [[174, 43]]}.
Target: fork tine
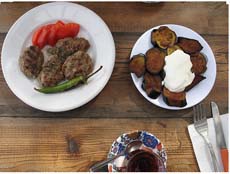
{"points": [[194, 114], [197, 112], [204, 113], [200, 112]]}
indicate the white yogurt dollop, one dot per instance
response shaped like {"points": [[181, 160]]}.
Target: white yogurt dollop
{"points": [[178, 71]]}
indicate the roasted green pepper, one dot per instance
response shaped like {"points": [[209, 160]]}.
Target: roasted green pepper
{"points": [[66, 85]]}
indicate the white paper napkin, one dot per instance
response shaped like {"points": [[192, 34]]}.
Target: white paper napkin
{"points": [[200, 148]]}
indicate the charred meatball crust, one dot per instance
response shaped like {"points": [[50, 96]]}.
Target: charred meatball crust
{"points": [[68, 46], [51, 73], [77, 64], [31, 61]]}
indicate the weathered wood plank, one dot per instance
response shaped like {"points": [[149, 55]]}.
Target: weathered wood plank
{"points": [[110, 103], [203, 17], [32, 144]]}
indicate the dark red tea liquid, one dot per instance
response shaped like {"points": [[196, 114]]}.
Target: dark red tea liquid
{"points": [[142, 161]]}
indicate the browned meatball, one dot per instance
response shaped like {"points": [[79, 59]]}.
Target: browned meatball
{"points": [[77, 64], [31, 61], [51, 73], [68, 46]]}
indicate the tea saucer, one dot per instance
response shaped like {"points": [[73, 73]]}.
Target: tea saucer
{"points": [[149, 143]]}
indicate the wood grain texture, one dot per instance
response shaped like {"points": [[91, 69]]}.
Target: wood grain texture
{"points": [[33, 140], [205, 18], [30, 144]]}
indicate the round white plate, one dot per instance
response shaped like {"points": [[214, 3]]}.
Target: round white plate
{"points": [[102, 51], [197, 93]]}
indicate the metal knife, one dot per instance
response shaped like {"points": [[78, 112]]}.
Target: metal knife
{"points": [[220, 135]]}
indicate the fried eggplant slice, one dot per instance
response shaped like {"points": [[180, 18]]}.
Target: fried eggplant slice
{"points": [[137, 65], [198, 63], [198, 78], [173, 98], [189, 46], [173, 48], [162, 74], [152, 84], [155, 60], [163, 37]]}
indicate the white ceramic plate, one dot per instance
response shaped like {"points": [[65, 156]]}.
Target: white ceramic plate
{"points": [[200, 91], [93, 28]]}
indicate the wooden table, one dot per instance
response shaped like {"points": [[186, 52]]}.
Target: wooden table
{"points": [[33, 140]]}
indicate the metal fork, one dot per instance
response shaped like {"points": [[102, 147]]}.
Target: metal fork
{"points": [[201, 126]]}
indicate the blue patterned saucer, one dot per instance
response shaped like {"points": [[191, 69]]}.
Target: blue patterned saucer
{"points": [[149, 143]]}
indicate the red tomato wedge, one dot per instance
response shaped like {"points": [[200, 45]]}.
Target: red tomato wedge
{"points": [[68, 30], [36, 35], [60, 22], [38, 32], [50, 34], [42, 39], [73, 29], [52, 38]]}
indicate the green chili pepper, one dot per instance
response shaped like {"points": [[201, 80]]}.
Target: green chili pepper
{"points": [[66, 85]]}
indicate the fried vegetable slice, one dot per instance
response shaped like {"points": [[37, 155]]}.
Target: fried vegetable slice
{"points": [[163, 37], [189, 46], [196, 80], [152, 84], [162, 74], [173, 48], [155, 60], [198, 63], [174, 99], [137, 65]]}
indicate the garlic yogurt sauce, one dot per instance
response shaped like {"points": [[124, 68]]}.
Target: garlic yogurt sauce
{"points": [[178, 71]]}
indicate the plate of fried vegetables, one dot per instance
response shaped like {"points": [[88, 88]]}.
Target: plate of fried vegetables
{"points": [[62, 58], [172, 66]]}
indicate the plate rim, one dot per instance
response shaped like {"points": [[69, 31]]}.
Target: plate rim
{"points": [[173, 107], [109, 72]]}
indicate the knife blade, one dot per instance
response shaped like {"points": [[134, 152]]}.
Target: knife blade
{"points": [[220, 135]]}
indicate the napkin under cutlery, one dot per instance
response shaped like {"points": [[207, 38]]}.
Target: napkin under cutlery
{"points": [[200, 148]]}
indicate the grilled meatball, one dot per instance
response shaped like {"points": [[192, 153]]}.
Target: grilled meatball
{"points": [[68, 46], [31, 61], [51, 73], [77, 64]]}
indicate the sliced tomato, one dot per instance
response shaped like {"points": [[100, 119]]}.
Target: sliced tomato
{"points": [[68, 30], [50, 34], [73, 29], [62, 32], [42, 39], [49, 26], [36, 35], [60, 22], [52, 38]]}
